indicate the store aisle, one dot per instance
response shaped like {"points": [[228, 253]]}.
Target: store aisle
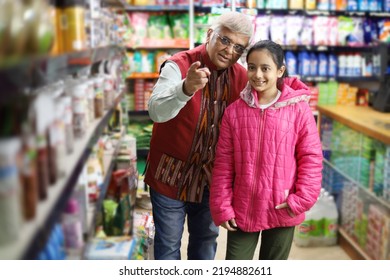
{"points": [[297, 253]]}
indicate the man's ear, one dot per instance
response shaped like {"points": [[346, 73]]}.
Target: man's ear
{"points": [[209, 32]]}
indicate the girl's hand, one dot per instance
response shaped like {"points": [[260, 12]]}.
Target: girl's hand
{"points": [[285, 205], [230, 225]]}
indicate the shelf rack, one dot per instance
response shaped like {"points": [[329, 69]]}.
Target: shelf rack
{"points": [[36, 71], [35, 233], [371, 123], [31, 73]]}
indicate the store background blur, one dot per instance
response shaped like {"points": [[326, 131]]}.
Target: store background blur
{"points": [[75, 79]]}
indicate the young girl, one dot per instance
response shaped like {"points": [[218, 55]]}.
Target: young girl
{"points": [[268, 164]]}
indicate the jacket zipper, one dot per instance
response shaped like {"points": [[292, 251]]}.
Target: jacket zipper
{"points": [[258, 156]]}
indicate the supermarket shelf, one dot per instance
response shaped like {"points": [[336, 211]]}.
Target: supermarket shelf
{"points": [[362, 119], [339, 79], [324, 48], [311, 13], [148, 43], [156, 8], [140, 75], [115, 3], [138, 113], [36, 71], [351, 247], [109, 164], [145, 8], [34, 234], [365, 190]]}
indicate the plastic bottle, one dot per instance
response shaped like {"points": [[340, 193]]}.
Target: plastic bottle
{"points": [[332, 65], [304, 66], [72, 227], [29, 173], [10, 189], [342, 65], [309, 232], [330, 221], [291, 62], [322, 65]]}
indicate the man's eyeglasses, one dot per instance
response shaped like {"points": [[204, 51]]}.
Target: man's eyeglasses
{"points": [[238, 49]]}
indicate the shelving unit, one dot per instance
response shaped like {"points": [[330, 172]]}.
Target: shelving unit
{"points": [[363, 122], [31, 73], [36, 71], [35, 233]]}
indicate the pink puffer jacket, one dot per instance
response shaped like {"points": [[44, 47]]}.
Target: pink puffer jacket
{"points": [[267, 157]]}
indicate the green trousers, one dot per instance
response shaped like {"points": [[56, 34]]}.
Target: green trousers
{"points": [[275, 244]]}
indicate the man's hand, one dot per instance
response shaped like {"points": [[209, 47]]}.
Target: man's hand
{"points": [[196, 78]]}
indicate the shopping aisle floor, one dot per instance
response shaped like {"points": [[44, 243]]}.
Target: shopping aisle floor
{"points": [[297, 253]]}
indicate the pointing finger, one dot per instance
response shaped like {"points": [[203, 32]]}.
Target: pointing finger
{"points": [[194, 66]]}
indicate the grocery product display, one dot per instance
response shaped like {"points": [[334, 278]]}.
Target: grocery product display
{"points": [[356, 170], [61, 130], [75, 80]]}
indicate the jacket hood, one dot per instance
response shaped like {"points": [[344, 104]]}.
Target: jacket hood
{"points": [[293, 91]]}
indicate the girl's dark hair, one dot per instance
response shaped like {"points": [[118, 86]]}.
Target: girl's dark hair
{"points": [[276, 52]]}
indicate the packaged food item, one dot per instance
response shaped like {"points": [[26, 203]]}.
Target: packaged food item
{"points": [[68, 123], [43, 166], [71, 225], [79, 108], [73, 25], [111, 248], [99, 96], [29, 173]]}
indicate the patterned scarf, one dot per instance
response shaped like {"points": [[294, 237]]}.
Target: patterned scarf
{"points": [[197, 171]]}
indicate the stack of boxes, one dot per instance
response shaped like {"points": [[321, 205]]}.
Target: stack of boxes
{"points": [[378, 229], [142, 91], [367, 162], [349, 207]]}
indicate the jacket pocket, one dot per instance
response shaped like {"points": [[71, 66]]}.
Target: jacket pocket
{"points": [[169, 170]]}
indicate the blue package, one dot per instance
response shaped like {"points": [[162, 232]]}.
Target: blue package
{"points": [[313, 65], [352, 5], [363, 5], [291, 62], [386, 6], [304, 65], [322, 65], [332, 65]]}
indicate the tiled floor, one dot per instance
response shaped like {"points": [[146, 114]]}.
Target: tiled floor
{"points": [[297, 253]]}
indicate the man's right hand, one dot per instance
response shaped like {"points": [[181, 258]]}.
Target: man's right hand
{"points": [[196, 78]]}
